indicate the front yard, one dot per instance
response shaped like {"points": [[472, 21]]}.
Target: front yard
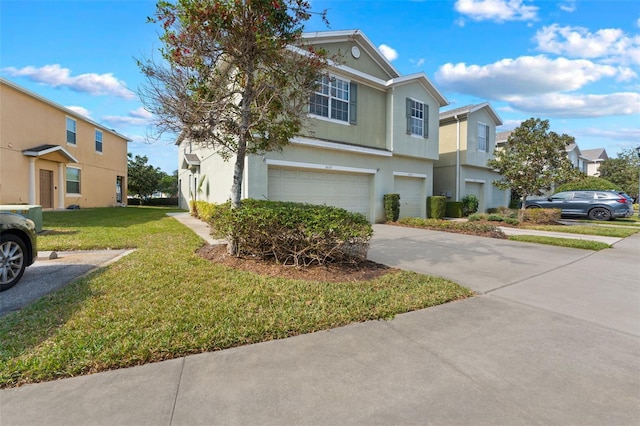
{"points": [[165, 301]]}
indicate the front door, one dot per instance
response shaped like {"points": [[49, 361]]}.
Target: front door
{"points": [[119, 180], [46, 189]]}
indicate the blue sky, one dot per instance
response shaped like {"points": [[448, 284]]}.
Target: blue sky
{"points": [[574, 62]]}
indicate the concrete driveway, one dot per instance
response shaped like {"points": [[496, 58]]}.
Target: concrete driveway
{"points": [[553, 339]]}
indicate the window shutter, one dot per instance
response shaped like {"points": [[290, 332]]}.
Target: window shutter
{"points": [[353, 103], [425, 130], [408, 116]]}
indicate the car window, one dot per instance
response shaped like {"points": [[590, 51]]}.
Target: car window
{"points": [[561, 196], [583, 195], [604, 195]]}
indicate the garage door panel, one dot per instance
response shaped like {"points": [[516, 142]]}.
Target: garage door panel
{"points": [[349, 191], [411, 195]]}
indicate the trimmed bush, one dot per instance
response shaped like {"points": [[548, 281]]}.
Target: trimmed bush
{"points": [[391, 207], [293, 233], [541, 216], [453, 209], [589, 182], [436, 207], [472, 228], [470, 204]]}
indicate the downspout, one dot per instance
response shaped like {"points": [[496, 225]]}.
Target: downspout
{"points": [[457, 157]]}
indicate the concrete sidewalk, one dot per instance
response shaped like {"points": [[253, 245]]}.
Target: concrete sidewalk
{"points": [[553, 340]]}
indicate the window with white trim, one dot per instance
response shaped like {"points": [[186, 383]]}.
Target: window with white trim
{"points": [[417, 118], [98, 141], [483, 137], [331, 98], [71, 131], [73, 180]]}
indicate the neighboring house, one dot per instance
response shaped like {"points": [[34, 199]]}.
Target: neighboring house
{"points": [[594, 157], [372, 132], [54, 157], [467, 142], [587, 161]]}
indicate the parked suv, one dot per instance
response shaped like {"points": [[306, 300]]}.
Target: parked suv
{"points": [[18, 248], [596, 205]]}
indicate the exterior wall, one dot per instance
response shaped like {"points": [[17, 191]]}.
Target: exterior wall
{"points": [[473, 156], [490, 196], [26, 122], [399, 141], [365, 63]]}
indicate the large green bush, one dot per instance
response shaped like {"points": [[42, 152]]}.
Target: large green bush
{"points": [[436, 207], [470, 204], [293, 233], [391, 207], [588, 182], [453, 209]]}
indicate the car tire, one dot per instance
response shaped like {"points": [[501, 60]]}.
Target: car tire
{"points": [[13, 260], [600, 213]]}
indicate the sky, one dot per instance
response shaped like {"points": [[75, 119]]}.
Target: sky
{"points": [[575, 63]]}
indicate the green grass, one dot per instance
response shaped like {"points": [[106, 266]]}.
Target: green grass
{"points": [[163, 301], [604, 231], [562, 242]]}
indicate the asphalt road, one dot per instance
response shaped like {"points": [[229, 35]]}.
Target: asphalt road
{"points": [[47, 275]]}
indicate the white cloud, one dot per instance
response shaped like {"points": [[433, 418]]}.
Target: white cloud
{"points": [[80, 110], [137, 117], [568, 6], [578, 42], [523, 76], [578, 105], [56, 76], [623, 134], [496, 10], [388, 52]]}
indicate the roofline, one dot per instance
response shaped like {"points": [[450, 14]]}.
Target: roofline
{"points": [[30, 153], [470, 109], [62, 108], [421, 77]]}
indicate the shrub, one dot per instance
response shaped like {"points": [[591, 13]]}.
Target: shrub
{"points": [[391, 207], [472, 228], [495, 218], [293, 233], [453, 209], [589, 182], [204, 210], [476, 217], [436, 206], [470, 204], [541, 216], [511, 221]]}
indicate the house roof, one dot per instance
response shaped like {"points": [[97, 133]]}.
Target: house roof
{"points": [[501, 137], [62, 108], [192, 159], [50, 152], [595, 154], [468, 109]]}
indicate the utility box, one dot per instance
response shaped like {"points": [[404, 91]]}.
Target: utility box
{"points": [[29, 211]]}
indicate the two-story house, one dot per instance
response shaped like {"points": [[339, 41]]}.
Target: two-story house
{"points": [[373, 132], [53, 157], [467, 142]]}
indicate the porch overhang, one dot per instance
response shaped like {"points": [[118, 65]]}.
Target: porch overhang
{"points": [[50, 152]]}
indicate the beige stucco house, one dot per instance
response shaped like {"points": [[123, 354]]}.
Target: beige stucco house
{"points": [[373, 132], [593, 158], [54, 157], [467, 142]]}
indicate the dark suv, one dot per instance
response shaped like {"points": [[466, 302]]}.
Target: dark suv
{"points": [[18, 248], [596, 205]]}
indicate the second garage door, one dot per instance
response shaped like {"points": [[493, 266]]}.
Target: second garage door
{"points": [[349, 191], [411, 195]]}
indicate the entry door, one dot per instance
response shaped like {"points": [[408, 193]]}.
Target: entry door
{"points": [[46, 189]]}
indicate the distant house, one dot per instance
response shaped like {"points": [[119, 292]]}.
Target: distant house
{"points": [[54, 157], [593, 158], [467, 142], [372, 132]]}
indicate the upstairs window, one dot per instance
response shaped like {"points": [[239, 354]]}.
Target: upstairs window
{"points": [[417, 118], [483, 137], [334, 98], [98, 141], [71, 131]]}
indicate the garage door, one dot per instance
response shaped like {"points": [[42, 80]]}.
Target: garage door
{"points": [[349, 191], [411, 195], [476, 189]]}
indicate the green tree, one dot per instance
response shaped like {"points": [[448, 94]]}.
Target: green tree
{"points": [[230, 78], [169, 183], [143, 179], [533, 160], [623, 171]]}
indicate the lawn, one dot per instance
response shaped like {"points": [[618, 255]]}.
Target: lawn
{"points": [[164, 301]]}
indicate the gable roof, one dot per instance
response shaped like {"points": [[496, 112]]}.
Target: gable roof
{"points": [[595, 154], [468, 109], [501, 137], [50, 152]]}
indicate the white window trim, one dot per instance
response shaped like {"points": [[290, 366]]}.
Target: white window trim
{"points": [[348, 101], [415, 135], [314, 166], [95, 141], [66, 129], [488, 137], [71, 194]]}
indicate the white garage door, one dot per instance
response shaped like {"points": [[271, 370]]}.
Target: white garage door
{"points": [[476, 189], [411, 196], [346, 190]]}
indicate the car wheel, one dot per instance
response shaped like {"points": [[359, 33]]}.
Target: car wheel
{"points": [[599, 213], [12, 260]]}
